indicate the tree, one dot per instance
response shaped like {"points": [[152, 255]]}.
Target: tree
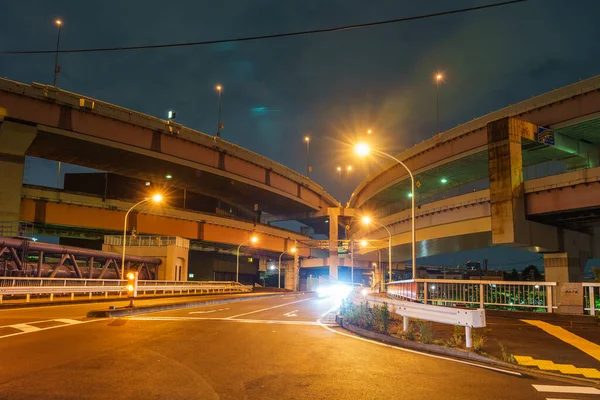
{"points": [[531, 273]]}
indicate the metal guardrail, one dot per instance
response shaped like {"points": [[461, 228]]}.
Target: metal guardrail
{"points": [[147, 241], [591, 297], [444, 315], [480, 293], [18, 287]]}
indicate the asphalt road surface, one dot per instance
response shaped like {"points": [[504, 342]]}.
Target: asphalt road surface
{"points": [[269, 348]]}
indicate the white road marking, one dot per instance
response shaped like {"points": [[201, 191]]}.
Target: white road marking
{"points": [[418, 352], [291, 313], [243, 320], [45, 329], [208, 311], [25, 327], [566, 389], [269, 308], [67, 321]]}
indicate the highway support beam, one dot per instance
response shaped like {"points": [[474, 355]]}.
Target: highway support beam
{"points": [[15, 139], [565, 251]]}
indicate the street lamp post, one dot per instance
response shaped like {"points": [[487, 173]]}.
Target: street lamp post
{"points": [[56, 67], [253, 239], [307, 140], [363, 149], [438, 78], [157, 198], [367, 220], [293, 250], [219, 90]]}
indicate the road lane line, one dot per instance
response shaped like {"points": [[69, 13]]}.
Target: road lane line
{"points": [[291, 313], [568, 337], [25, 328], [244, 320], [566, 389], [418, 352], [50, 327], [208, 311], [268, 308]]}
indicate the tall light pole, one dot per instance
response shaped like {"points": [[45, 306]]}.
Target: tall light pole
{"points": [[438, 78], [157, 198], [56, 67], [367, 221], [307, 140], [253, 239], [363, 149], [292, 250], [219, 126]]}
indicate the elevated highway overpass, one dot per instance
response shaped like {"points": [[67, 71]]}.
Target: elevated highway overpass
{"points": [[43, 121], [489, 159]]}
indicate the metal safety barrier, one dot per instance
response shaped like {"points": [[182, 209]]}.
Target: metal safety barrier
{"points": [[591, 293], [478, 293], [444, 315], [17, 287]]}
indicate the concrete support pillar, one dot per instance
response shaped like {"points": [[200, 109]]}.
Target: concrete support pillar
{"points": [[505, 164], [569, 294], [291, 274], [333, 243], [15, 139]]}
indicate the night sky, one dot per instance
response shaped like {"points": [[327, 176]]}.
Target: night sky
{"points": [[331, 86]]}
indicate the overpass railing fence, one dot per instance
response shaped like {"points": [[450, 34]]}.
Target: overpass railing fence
{"points": [[591, 293], [146, 241], [18, 288], [525, 296]]}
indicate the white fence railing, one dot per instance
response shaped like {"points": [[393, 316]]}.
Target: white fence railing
{"points": [[147, 241], [482, 294], [591, 293], [18, 288], [444, 315]]}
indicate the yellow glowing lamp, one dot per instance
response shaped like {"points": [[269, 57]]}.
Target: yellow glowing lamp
{"points": [[254, 239], [132, 284]]}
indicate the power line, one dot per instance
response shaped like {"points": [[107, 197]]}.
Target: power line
{"points": [[273, 36]]}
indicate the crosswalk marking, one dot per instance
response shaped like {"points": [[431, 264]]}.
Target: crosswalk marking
{"points": [[24, 327], [566, 389]]}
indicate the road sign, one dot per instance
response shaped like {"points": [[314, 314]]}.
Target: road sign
{"points": [[545, 136], [418, 184]]}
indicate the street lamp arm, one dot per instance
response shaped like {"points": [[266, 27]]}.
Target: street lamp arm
{"points": [[412, 195], [125, 235]]}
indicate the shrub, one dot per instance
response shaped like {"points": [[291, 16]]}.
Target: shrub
{"points": [[478, 341], [506, 356], [425, 333]]}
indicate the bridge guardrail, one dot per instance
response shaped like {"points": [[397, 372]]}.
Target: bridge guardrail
{"points": [[445, 315], [19, 286], [482, 293]]}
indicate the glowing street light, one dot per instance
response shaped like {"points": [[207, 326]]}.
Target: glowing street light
{"points": [[59, 24], [363, 149], [219, 89], [366, 220], [253, 239], [307, 140], [157, 198], [438, 78], [292, 251]]}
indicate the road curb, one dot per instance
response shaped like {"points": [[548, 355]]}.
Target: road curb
{"points": [[124, 312], [455, 353]]}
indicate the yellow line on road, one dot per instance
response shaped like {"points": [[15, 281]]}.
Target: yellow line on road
{"points": [[547, 365], [582, 344]]}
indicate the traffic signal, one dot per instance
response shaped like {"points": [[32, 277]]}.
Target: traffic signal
{"points": [[132, 284]]}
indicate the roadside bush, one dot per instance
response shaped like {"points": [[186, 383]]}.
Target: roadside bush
{"points": [[425, 333], [478, 342], [506, 356], [457, 338]]}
